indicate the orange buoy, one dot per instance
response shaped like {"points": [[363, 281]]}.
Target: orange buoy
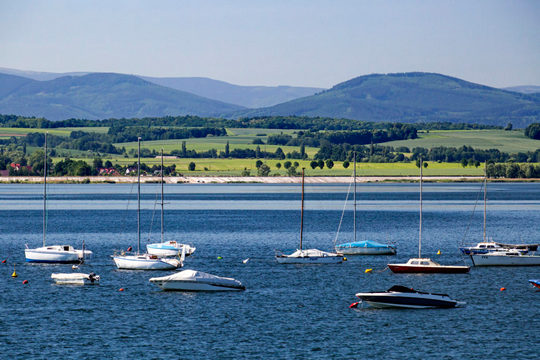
{"points": [[25, 282], [121, 289], [353, 305], [4, 261], [503, 289]]}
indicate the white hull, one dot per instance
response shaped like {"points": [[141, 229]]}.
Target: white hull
{"points": [[164, 249], [51, 255], [365, 251], [309, 260], [505, 260], [192, 286], [75, 279], [141, 262]]}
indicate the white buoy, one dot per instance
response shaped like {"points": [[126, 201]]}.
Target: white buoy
{"points": [[245, 261]]}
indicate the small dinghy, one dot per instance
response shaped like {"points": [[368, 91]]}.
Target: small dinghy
{"points": [[403, 297], [75, 279], [192, 280], [535, 283]]}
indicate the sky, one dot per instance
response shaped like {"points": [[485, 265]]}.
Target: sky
{"points": [[315, 43]]}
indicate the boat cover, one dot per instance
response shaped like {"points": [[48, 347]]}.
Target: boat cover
{"points": [[70, 276], [364, 244], [199, 276], [311, 253]]}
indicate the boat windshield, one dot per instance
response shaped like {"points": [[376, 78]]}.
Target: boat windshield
{"points": [[400, 288]]}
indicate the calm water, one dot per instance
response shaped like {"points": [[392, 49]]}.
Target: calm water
{"points": [[287, 311]]}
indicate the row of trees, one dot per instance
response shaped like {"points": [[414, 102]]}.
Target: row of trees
{"points": [[533, 131]]}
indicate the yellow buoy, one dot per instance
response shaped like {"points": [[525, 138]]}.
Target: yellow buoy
{"points": [[368, 270], [439, 252], [344, 258], [219, 258], [14, 272]]}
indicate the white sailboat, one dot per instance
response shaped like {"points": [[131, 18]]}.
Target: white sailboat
{"points": [[63, 254], [366, 247], [425, 265], [140, 261], [171, 247], [308, 256]]}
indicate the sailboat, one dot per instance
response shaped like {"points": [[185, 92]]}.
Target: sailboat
{"points": [[171, 247], [366, 247], [140, 261], [425, 265], [308, 256], [488, 246], [63, 254]]}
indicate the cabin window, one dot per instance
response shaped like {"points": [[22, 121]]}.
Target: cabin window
{"points": [[425, 263], [66, 248], [414, 262], [482, 246]]}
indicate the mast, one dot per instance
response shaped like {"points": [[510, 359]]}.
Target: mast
{"points": [[485, 198], [420, 232], [138, 195], [45, 192], [162, 218], [354, 219], [302, 211]]}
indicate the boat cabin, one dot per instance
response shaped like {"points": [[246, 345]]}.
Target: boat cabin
{"points": [[422, 262]]}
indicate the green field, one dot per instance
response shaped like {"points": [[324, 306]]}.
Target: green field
{"points": [[225, 167], [8, 132], [505, 141]]}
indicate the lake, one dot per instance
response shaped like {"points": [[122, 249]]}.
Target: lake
{"points": [[287, 311]]}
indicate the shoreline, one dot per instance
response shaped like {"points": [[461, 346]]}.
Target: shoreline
{"points": [[244, 179]]}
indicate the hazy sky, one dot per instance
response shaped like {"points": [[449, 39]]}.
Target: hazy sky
{"points": [[290, 42]]}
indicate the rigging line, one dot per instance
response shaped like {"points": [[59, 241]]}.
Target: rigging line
{"points": [[472, 214], [153, 216], [343, 213]]}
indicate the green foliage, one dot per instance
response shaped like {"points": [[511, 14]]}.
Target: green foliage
{"points": [[533, 131], [263, 170], [191, 166]]}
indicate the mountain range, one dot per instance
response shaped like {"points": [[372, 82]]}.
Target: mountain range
{"points": [[404, 97]]}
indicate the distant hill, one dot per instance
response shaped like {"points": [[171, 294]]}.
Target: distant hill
{"points": [[412, 97], [245, 96], [525, 89], [100, 96]]}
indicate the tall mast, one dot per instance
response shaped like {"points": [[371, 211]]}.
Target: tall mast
{"points": [[45, 192], [302, 211], [485, 198], [138, 195], [354, 219], [162, 218], [420, 232]]}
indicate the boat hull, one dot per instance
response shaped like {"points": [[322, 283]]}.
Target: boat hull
{"points": [[505, 260], [75, 279], [133, 262], [410, 301], [51, 257], [418, 269], [193, 286], [309, 260], [365, 250]]}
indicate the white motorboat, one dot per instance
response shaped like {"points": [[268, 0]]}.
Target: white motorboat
{"points": [[505, 258], [171, 247], [403, 297], [425, 265], [75, 278], [366, 247], [191, 280], [309, 256], [140, 261], [57, 254]]}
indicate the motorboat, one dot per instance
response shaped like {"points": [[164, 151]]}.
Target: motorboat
{"points": [[192, 280], [535, 283], [485, 247], [307, 256], [403, 297], [75, 278], [57, 254], [145, 262], [140, 261], [171, 247], [425, 265], [505, 258], [367, 247]]}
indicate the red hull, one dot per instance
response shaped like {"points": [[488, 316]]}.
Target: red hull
{"points": [[429, 269]]}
